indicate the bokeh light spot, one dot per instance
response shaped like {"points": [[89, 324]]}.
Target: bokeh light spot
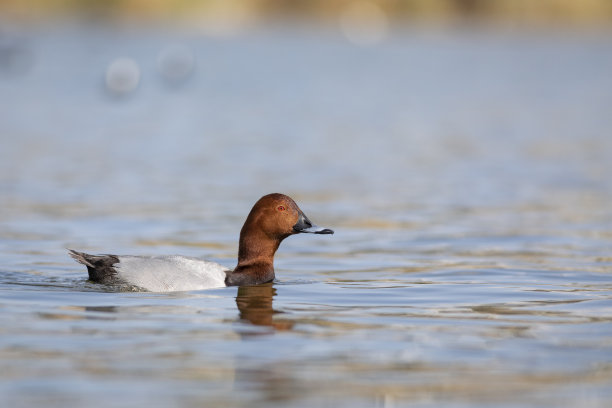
{"points": [[122, 76], [364, 23], [176, 63]]}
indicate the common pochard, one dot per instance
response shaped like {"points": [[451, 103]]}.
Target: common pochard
{"points": [[273, 218]]}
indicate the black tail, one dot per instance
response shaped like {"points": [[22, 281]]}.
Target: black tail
{"points": [[99, 267]]}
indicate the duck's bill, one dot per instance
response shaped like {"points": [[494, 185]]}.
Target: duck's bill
{"points": [[306, 226], [315, 229]]}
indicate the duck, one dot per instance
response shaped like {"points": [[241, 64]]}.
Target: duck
{"points": [[273, 218]]}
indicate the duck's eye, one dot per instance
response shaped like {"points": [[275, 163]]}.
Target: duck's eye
{"points": [[281, 208]]}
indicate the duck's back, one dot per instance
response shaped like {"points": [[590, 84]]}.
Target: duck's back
{"points": [[170, 273]]}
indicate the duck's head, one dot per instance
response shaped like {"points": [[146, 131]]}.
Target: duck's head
{"points": [[278, 216], [273, 218]]}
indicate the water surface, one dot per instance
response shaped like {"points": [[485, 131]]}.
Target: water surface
{"points": [[466, 174]]}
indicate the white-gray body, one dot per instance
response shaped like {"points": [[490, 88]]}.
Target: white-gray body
{"points": [[170, 273]]}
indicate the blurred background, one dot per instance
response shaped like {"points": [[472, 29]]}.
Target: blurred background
{"points": [[115, 101], [216, 11], [460, 149]]}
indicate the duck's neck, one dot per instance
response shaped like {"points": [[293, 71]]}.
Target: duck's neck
{"points": [[255, 260]]}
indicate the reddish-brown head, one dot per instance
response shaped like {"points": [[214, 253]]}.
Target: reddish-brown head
{"points": [[278, 216], [273, 215], [273, 218]]}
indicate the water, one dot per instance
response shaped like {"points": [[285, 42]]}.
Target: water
{"points": [[466, 173]]}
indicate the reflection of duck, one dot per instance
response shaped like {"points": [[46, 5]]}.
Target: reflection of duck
{"points": [[273, 218], [255, 306]]}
